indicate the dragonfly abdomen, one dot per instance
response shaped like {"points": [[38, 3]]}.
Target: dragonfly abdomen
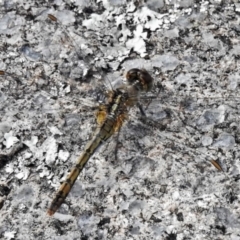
{"points": [[108, 126]]}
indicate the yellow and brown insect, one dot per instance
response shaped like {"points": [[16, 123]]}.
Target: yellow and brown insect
{"points": [[110, 118]]}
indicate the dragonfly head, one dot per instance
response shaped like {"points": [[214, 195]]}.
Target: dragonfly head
{"points": [[140, 78]]}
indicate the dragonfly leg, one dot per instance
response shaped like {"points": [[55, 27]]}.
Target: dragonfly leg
{"points": [[141, 110]]}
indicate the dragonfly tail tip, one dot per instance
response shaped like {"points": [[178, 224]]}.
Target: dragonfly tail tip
{"points": [[50, 212]]}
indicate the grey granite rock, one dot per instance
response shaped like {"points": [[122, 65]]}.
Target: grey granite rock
{"points": [[160, 183]]}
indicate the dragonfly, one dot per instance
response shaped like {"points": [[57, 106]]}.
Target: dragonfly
{"points": [[110, 118]]}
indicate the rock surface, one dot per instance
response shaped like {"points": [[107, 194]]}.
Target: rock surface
{"points": [[160, 183]]}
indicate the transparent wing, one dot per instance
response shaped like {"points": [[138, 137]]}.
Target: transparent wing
{"points": [[202, 124], [40, 122]]}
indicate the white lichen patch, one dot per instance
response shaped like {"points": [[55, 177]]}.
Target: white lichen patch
{"points": [[49, 147], [9, 235], [10, 140], [137, 42], [63, 155]]}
